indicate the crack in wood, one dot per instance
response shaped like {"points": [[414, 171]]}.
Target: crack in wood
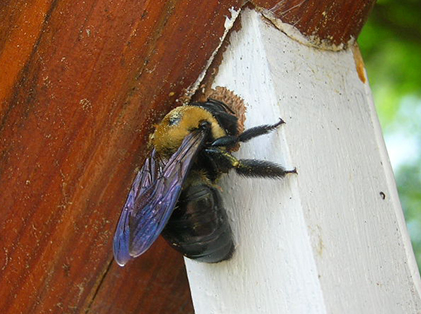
{"points": [[104, 275]]}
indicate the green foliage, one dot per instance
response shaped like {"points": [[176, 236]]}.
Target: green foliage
{"points": [[391, 47], [408, 179]]}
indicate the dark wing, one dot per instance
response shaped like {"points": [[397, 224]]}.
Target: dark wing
{"points": [[152, 198]]}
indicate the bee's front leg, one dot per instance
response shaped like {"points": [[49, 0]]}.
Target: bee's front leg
{"points": [[230, 141]]}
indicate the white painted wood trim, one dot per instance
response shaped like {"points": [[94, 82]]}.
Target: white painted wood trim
{"points": [[324, 241]]}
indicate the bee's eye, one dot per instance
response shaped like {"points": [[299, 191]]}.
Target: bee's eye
{"points": [[174, 120]]}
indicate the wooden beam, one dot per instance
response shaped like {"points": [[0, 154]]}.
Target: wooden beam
{"points": [[81, 84], [333, 24], [331, 239]]}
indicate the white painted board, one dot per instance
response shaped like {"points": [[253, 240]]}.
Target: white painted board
{"points": [[322, 241]]}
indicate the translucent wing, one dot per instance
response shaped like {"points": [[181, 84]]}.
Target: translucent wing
{"points": [[141, 183], [152, 198]]}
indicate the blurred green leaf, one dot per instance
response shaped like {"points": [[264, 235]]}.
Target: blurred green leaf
{"points": [[391, 46]]}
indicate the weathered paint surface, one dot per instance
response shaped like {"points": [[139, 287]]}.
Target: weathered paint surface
{"points": [[325, 240]]}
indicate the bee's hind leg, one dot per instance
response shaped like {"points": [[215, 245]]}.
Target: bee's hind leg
{"points": [[261, 168], [246, 167]]}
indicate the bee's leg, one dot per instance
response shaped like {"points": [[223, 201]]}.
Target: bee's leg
{"points": [[221, 158], [225, 141], [258, 130], [246, 167], [261, 168], [229, 141]]}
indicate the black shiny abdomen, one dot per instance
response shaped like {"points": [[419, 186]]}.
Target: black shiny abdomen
{"points": [[199, 226]]}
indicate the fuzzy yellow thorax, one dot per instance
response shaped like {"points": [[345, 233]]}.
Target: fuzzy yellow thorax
{"points": [[177, 124]]}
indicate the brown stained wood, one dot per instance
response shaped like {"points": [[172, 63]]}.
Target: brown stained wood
{"points": [[85, 81], [19, 32], [81, 84], [326, 23], [155, 287]]}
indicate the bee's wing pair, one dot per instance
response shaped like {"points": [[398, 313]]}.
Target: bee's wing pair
{"points": [[152, 199]]}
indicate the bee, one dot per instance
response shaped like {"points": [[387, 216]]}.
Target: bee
{"points": [[175, 193]]}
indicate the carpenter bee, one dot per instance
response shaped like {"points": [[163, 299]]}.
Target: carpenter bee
{"points": [[175, 192]]}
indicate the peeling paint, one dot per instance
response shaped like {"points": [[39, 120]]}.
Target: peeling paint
{"points": [[359, 63]]}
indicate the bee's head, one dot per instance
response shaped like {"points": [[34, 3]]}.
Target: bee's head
{"points": [[179, 122]]}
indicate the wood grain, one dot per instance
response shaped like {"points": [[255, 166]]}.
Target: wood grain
{"points": [[154, 285], [81, 84], [324, 23], [78, 101]]}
